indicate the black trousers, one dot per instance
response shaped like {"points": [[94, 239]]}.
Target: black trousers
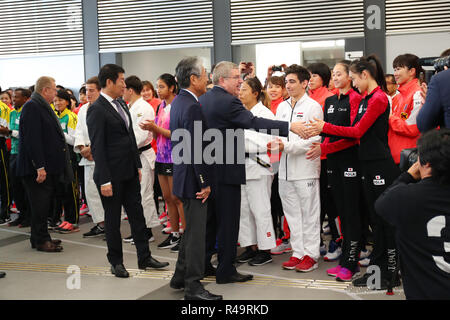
{"points": [[345, 180], [223, 217], [276, 208], [41, 196], [378, 175], [67, 197], [18, 192], [5, 197], [126, 193], [190, 267], [327, 203]]}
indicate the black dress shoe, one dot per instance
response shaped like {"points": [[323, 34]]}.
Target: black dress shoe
{"points": [[119, 271], [204, 295], [49, 246], [237, 277], [153, 263], [56, 242], [2, 274], [210, 271], [176, 285]]}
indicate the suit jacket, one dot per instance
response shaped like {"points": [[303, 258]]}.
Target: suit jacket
{"points": [[41, 142], [224, 111], [113, 145], [192, 174], [436, 109]]}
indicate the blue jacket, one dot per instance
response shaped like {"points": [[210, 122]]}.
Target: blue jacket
{"points": [[190, 175], [224, 111], [436, 109]]}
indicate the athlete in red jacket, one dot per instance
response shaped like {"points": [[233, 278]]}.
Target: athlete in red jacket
{"points": [[403, 132]]}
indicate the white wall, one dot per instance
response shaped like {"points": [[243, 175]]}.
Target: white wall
{"points": [[422, 45], [68, 71], [149, 65]]}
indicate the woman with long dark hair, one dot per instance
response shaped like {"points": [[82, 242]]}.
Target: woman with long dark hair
{"points": [[167, 89], [377, 167]]}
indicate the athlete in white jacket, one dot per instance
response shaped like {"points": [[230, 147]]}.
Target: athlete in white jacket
{"points": [[82, 145], [299, 177], [141, 110], [256, 225]]}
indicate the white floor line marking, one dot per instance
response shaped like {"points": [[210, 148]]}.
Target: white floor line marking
{"points": [[92, 245]]}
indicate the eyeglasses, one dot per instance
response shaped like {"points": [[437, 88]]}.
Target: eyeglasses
{"points": [[235, 77]]}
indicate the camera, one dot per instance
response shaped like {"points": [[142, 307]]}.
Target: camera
{"points": [[277, 68], [407, 158], [437, 62]]}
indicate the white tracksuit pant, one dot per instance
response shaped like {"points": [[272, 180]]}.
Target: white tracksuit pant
{"points": [[301, 206], [256, 226], [147, 180], [92, 196]]}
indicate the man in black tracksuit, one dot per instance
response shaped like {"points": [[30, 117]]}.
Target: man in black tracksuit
{"points": [[418, 205]]}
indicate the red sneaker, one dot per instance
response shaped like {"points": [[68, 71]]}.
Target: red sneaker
{"points": [[292, 263], [307, 264]]}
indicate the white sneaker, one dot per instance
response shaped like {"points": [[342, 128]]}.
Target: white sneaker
{"points": [[364, 262], [334, 251], [364, 254], [282, 248]]}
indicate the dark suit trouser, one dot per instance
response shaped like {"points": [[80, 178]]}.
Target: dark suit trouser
{"points": [[227, 207], [190, 267], [41, 196], [128, 194], [18, 190]]}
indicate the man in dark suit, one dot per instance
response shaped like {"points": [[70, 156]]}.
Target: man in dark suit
{"points": [[191, 181], [41, 160], [117, 169], [224, 111]]}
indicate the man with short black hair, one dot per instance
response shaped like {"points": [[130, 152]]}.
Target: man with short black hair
{"points": [[20, 97], [118, 169], [82, 145], [141, 110], [417, 204]]}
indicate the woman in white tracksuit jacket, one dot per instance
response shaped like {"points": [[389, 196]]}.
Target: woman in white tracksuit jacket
{"points": [[256, 231], [299, 177]]}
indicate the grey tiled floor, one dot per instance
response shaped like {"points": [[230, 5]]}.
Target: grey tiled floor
{"points": [[37, 275]]}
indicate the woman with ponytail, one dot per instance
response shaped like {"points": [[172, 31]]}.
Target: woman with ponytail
{"points": [[256, 232], [343, 170], [377, 167]]}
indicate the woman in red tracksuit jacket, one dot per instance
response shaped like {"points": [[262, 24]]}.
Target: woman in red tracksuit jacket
{"points": [[377, 167], [343, 169], [403, 132]]}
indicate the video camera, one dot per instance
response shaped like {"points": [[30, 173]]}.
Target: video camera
{"points": [[437, 62]]}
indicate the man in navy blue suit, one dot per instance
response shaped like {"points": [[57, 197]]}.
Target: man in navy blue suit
{"points": [[436, 109], [191, 180], [225, 112]]}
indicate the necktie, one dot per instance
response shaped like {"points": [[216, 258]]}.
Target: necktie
{"points": [[121, 112]]}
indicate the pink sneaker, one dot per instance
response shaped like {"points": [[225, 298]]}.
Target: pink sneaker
{"points": [[334, 271], [84, 209], [346, 275]]}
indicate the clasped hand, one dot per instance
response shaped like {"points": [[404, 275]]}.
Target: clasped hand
{"points": [[308, 130]]}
